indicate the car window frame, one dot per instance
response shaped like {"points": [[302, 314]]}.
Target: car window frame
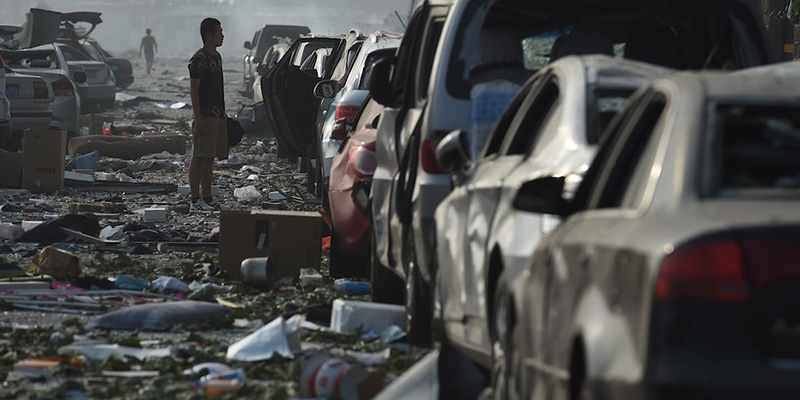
{"points": [[500, 131], [431, 39], [617, 172], [524, 133]]}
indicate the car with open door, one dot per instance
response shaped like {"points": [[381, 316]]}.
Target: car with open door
{"points": [[263, 39], [121, 67], [288, 93], [674, 274]]}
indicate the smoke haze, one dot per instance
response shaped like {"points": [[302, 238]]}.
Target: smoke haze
{"points": [[175, 23]]}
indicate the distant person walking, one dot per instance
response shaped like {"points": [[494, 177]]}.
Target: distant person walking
{"points": [[209, 127], [150, 48]]}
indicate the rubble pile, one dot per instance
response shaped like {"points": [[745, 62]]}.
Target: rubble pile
{"points": [[112, 288]]}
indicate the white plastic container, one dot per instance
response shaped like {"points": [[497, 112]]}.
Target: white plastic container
{"points": [[350, 315], [10, 231], [309, 277]]}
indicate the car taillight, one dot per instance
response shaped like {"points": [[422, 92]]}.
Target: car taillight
{"points": [[428, 158], [710, 269], [63, 87], [339, 131], [2, 62], [40, 90], [346, 111], [111, 74], [363, 161], [126, 66], [772, 257]]}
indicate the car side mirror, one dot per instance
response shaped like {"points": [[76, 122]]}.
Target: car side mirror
{"points": [[542, 196], [380, 82], [248, 45], [326, 89], [452, 153], [79, 76]]}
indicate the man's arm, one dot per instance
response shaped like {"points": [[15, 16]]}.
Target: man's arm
{"points": [[194, 92]]}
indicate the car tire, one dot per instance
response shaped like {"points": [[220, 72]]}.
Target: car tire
{"points": [[504, 355], [387, 287], [419, 304], [344, 265]]}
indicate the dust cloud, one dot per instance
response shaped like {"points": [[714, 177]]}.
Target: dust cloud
{"points": [[175, 23]]}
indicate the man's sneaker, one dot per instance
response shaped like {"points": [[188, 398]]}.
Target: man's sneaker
{"points": [[201, 206], [213, 203]]}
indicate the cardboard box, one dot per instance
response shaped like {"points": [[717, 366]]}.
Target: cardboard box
{"points": [[43, 160], [292, 240], [94, 124], [11, 165]]}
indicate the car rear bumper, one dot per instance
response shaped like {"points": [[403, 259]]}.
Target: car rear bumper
{"points": [[721, 350], [103, 92], [5, 129], [124, 81], [22, 120]]}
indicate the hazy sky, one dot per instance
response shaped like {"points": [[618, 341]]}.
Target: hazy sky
{"points": [[175, 23]]}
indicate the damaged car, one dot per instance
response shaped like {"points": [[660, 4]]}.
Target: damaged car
{"points": [[72, 33], [346, 101], [47, 62], [351, 176], [550, 128], [674, 273], [288, 93], [409, 183], [263, 39]]}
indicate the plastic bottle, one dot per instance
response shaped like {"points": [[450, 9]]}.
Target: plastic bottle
{"points": [[10, 231], [351, 287]]}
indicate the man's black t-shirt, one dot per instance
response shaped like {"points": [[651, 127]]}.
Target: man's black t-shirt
{"points": [[208, 68]]}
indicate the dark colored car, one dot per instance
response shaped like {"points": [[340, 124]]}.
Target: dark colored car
{"points": [[350, 181], [289, 98], [263, 39], [121, 67]]}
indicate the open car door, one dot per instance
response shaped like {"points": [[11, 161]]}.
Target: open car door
{"points": [[289, 97]]}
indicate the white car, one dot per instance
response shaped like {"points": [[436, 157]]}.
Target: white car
{"points": [[675, 273], [47, 62], [101, 88], [551, 128], [29, 98]]}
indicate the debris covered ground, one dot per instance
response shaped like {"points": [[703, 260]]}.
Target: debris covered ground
{"points": [[52, 346]]}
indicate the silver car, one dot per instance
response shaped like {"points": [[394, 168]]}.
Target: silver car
{"points": [[675, 274], [101, 88], [550, 128], [29, 97], [47, 62]]}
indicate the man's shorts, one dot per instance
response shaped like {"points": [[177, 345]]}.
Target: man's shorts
{"points": [[214, 142], [149, 56]]}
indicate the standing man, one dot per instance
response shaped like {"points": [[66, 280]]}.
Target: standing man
{"points": [[209, 127], [150, 49]]}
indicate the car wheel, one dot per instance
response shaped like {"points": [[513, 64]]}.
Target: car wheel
{"points": [[344, 265], [419, 309], [387, 287], [504, 357]]}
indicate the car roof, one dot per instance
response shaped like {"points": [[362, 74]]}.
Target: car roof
{"points": [[764, 86]]}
